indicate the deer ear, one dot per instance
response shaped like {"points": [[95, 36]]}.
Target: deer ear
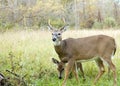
{"points": [[55, 61], [64, 28]]}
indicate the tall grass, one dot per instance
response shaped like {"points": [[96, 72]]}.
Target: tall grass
{"points": [[31, 52]]}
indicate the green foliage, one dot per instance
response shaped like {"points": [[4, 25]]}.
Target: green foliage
{"points": [[109, 22], [98, 25], [57, 23], [6, 26]]}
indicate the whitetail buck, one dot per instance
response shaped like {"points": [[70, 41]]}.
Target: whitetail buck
{"points": [[99, 48], [60, 66]]}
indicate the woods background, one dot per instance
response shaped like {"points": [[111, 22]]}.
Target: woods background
{"points": [[34, 14]]}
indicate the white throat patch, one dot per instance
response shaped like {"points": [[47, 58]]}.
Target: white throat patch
{"points": [[56, 43]]}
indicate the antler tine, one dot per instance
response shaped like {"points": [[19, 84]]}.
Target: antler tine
{"points": [[49, 25], [63, 28]]}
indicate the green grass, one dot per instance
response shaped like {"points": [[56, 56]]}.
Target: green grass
{"points": [[30, 53]]}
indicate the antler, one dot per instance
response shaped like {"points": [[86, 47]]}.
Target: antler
{"points": [[49, 25], [64, 21], [63, 28]]}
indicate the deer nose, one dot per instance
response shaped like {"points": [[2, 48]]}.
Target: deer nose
{"points": [[60, 77], [54, 39]]}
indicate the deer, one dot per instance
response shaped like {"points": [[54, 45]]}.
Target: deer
{"points": [[60, 67], [100, 48]]}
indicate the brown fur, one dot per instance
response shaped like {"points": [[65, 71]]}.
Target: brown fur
{"points": [[86, 48], [71, 50]]}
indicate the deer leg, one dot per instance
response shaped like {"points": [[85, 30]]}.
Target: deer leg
{"points": [[74, 71], [68, 69], [108, 72], [113, 68], [101, 70], [81, 69]]}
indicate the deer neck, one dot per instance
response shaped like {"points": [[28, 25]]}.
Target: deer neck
{"points": [[60, 48]]}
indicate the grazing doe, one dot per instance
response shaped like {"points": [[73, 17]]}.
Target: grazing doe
{"points": [[98, 47]]}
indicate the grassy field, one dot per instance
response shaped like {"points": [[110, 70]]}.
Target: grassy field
{"points": [[28, 53]]}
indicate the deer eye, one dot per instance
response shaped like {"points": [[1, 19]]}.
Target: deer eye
{"points": [[59, 33], [52, 34]]}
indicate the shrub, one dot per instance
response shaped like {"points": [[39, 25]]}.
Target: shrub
{"points": [[57, 23], [98, 25], [6, 26], [109, 22], [87, 23]]}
